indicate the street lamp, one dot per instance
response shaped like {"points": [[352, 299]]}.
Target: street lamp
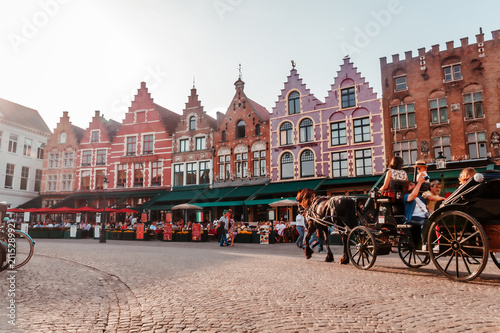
{"points": [[440, 161], [102, 236]]}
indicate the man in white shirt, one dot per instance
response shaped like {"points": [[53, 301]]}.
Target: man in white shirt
{"points": [[300, 226]]}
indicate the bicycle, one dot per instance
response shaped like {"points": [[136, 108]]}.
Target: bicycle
{"points": [[18, 252]]}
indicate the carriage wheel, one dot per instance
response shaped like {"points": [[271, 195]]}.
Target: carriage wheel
{"points": [[495, 256], [408, 255], [458, 246], [362, 249]]}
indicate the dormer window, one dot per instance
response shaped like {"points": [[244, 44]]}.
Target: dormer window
{"points": [[294, 103], [452, 73], [62, 137], [400, 83], [348, 97], [192, 123], [240, 129]]}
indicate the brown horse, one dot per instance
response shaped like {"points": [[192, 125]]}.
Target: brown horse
{"points": [[336, 210]]}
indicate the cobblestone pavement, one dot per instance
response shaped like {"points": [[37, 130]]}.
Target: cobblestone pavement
{"points": [[132, 286]]}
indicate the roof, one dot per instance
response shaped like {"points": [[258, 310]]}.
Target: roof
{"points": [[112, 126], [261, 111], [22, 115], [170, 118], [79, 132]]}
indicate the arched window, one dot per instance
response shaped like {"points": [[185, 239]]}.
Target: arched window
{"points": [[240, 129], [224, 138], [306, 130], [257, 129], [62, 137], [192, 123], [294, 103], [307, 164], [286, 134], [286, 166]]}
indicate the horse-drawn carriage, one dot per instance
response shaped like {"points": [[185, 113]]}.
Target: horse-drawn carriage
{"points": [[459, 236]]}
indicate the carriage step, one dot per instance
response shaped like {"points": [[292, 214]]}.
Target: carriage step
{"points": [[404, 226]]}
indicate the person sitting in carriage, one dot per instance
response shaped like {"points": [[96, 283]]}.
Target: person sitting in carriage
{"points": [[416, 211], [395, 172]]}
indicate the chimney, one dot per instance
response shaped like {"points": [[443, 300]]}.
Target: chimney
{"points": [[449, 46], [408, 55], [97, 113], [464, 41]]}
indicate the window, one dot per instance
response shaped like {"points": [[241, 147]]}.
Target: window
{"points": [[1, 140], [62, 137], [439, 110], [68, 159], [85, 183], [473, 103], [362, 130], [441, 144], [99, 179], [66, 182], [191, 173], [306, 130], [95, 136], [339, 136], [294, 103], [363, 159], [184, 145], [131, 145], [138, 175], [147, 147], [192, 123], [101, 157], [240, 129], [477, 144], [403, 116], [286, 166], [257, 129], [400, 83], [200, 143], [259, 163], [286, 134], [121, 175], [27, 147], [38, 180], [348, 97], [452, 73], [52, 181], [241, 165], [12, 143], [156, 173], [224, 137], [339, 164], [40, 150], [224, 167], [407, 150], [178, 174], [307, 164], [204, 173], [54, 160], [25, 173], [86, 157]]}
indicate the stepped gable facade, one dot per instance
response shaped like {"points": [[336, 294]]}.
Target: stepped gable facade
{"points": [[192, 155], [241, 143], [444, 101], [141, 152], [59, 163]]}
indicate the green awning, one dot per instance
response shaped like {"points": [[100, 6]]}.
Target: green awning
{"points": [[219, 204], [351, 180], [243, 192], [171, 198], [290, 187], [264, 201], [213, 194]]}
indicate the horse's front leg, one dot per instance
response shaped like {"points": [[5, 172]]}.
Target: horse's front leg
{"points": [[307, 249], [329, 253], [345, 258]]}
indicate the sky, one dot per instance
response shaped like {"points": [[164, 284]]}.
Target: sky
{"points": [[86, 55]]}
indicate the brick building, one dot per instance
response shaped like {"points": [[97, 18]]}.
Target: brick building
{"points": [[444, 101], [59, 163]]}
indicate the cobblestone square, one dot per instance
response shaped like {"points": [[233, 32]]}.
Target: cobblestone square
{"points": [[131, 286]]}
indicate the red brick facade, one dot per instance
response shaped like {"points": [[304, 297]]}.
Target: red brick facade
{"points": [[444, 100], [241, 143]]}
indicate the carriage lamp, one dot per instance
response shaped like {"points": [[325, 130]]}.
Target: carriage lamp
{"points": [[102, 236], [440, 161]]}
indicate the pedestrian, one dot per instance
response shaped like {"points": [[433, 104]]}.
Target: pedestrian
{"points": [[224, 224], [432, 195], [300, 227]]}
